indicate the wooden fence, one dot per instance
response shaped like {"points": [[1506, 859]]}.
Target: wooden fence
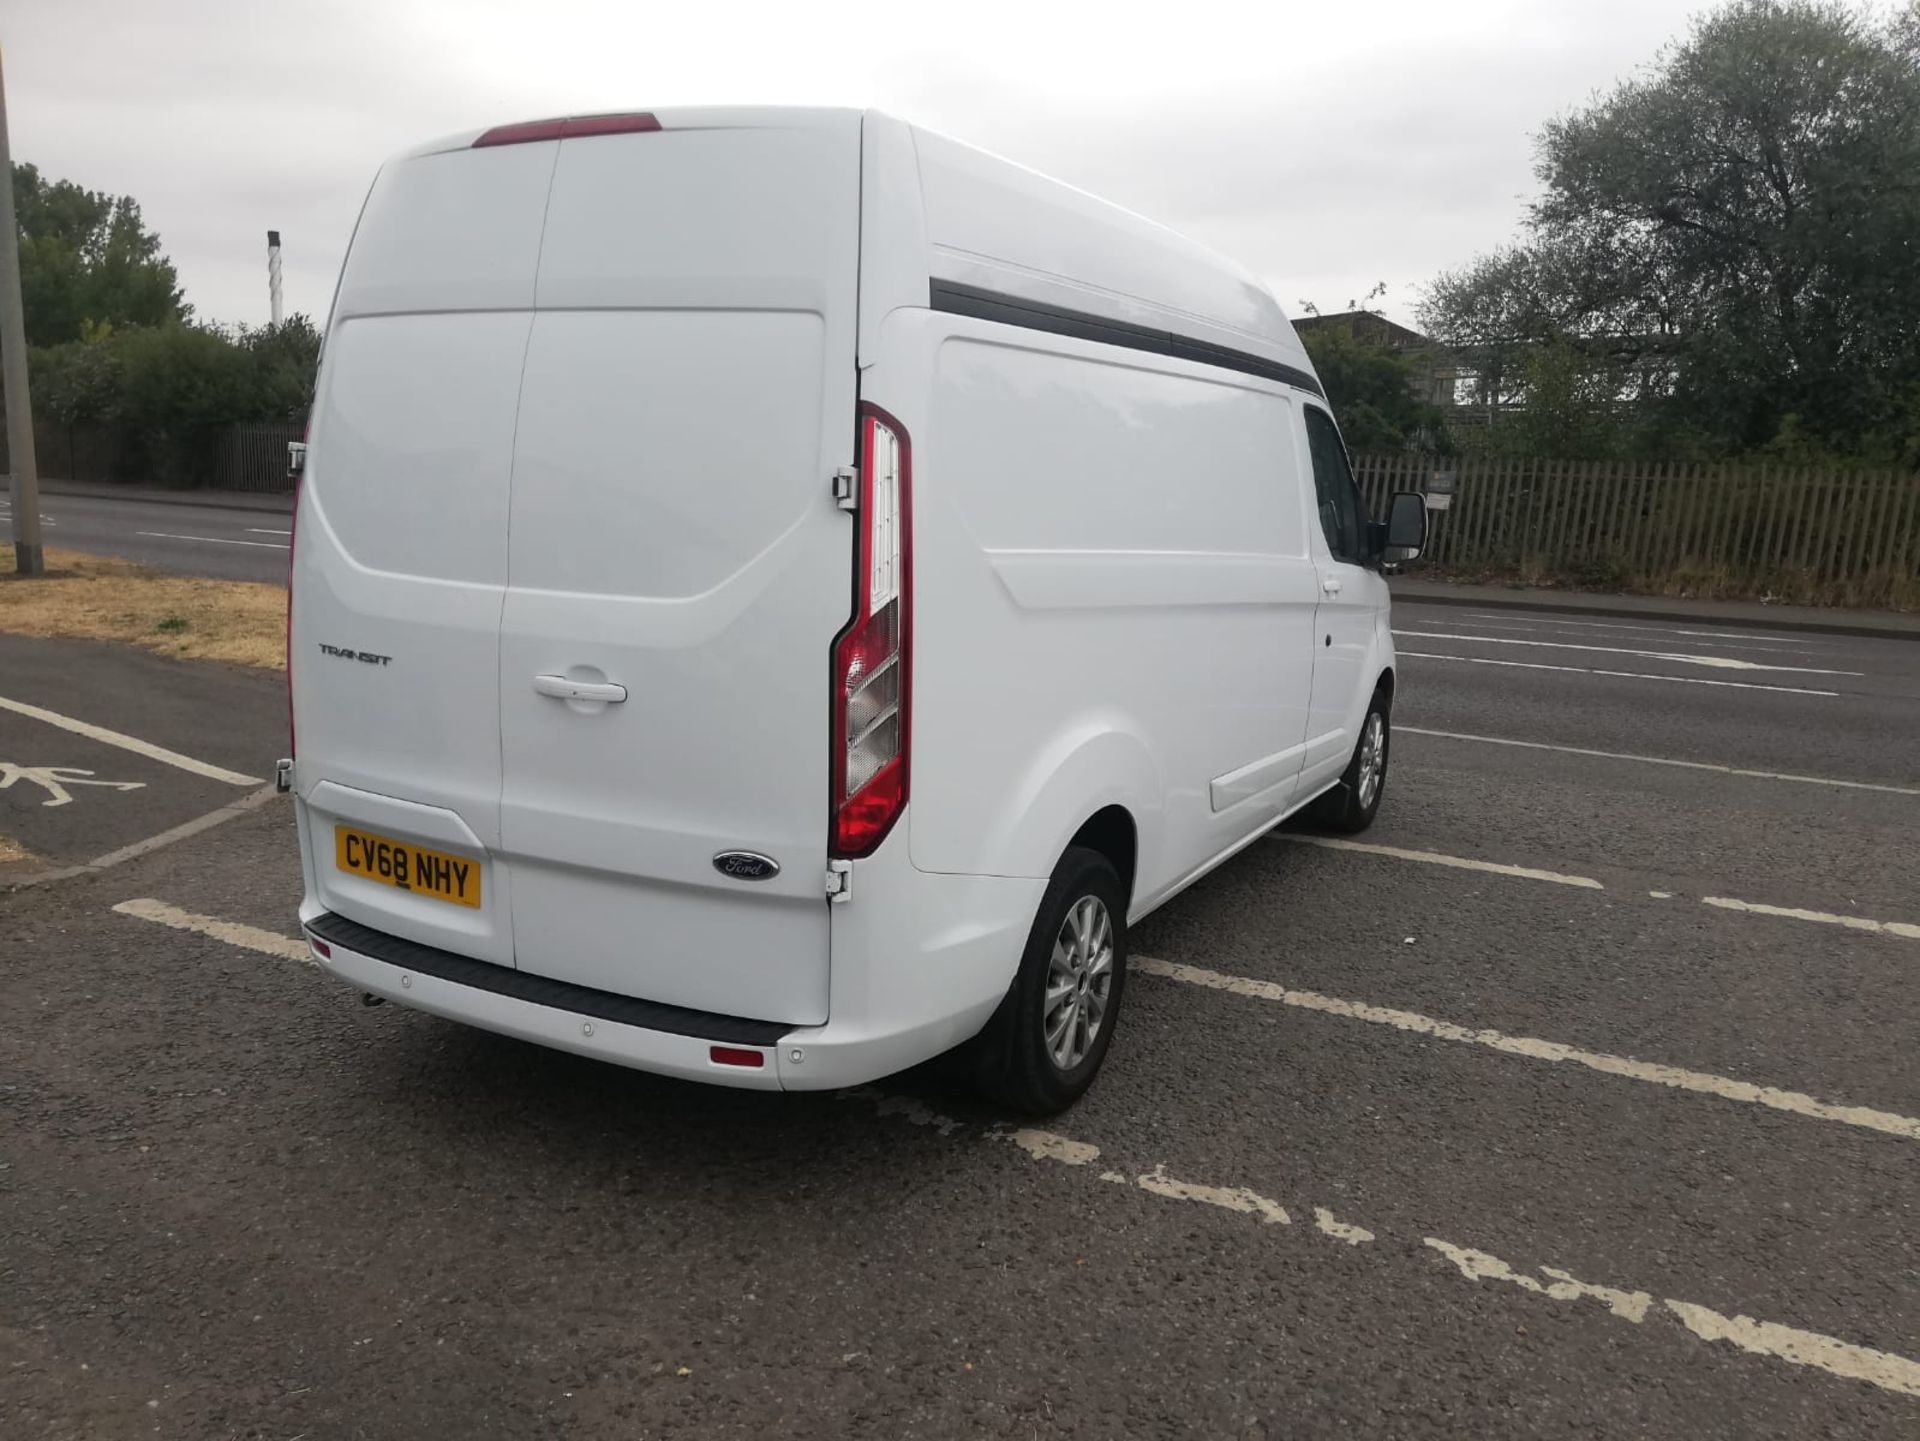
{"points": [[1816, 533]]}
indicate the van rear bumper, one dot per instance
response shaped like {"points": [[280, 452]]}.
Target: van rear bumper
{"points": [[671, 1040], [644, 1035]]}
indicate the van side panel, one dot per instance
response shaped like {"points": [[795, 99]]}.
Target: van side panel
{"points": [[1112, 547]]}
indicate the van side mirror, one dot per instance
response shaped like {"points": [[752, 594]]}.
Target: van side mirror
{"points": [[1406, 527]]}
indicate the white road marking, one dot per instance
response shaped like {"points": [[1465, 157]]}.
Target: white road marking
{"points": [[1328, 1224], [1479, 1266], [1621, 674], [1723, 662], [1650, 1072], [1227, 1198], [266, 530], [1802, 1348], [1903, 929], [211, 539], [1662, 761], [1762, 1338], [1046, 1146], [1435, 858], [129, 743], [251, 938], [54, 780]]}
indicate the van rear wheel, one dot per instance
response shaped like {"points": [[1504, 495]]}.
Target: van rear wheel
{"points": [[1352, 805], [1045, 1043]]}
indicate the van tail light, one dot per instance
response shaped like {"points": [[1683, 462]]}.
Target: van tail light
{"points": [[296, 466], [872, 659]]}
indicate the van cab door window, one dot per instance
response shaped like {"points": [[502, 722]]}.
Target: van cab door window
{"points": [[1341, 517]]}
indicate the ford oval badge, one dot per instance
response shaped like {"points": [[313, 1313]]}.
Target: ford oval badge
{"points": [[746, 865]]}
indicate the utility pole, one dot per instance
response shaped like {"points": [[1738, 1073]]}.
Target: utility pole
{"points": [[27, 556]]}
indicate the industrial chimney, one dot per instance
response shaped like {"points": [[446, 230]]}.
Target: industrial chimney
{"points": [[273, 273]]}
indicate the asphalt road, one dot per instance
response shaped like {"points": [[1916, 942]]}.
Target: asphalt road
{"points": [[226, 543], [1587, 1106]]}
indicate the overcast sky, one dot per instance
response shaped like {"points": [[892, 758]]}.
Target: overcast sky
{"points": [[1328, 146]]}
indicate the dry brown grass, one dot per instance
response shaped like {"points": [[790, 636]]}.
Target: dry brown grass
{"points": [[12, 851], [91, 597]]}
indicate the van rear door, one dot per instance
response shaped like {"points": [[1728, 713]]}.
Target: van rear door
{"points": [[677, 567], [400, 561]]}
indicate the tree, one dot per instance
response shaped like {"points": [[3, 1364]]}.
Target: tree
{"points": [[88, 257], [1730, 237], [1372, 391]]}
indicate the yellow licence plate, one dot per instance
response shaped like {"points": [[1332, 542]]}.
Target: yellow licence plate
{"points": [[407, 867]]}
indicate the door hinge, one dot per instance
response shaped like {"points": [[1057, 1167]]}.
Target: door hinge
{"points": [[839, 881], [844, 489]]}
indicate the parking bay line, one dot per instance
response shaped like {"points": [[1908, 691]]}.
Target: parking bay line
{"points": [[1903, 929], [234, 933], [1651, 1072], [1660, 761], [1764, 1338], [272, 943], [129, 743], [1621, 674], [212, 539], [1723, 662], [1435, 858], [1770, 1339]]}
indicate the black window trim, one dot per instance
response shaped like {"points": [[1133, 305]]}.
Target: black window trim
{"points": [[1361, 519], [954, 298]]}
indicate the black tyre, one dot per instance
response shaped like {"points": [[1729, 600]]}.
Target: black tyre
{"points": [[1352, 805], [1045, 1044]]}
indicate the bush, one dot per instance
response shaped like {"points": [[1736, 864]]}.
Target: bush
{"points": [[167, 392]]}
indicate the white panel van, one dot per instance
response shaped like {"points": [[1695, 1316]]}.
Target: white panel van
{"points": [[776, 593]]}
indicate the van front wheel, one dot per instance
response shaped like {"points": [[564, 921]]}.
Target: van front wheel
{"points": [[1045, 1044], [1352, 805]]}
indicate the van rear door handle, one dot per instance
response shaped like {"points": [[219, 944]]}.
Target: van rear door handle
{"points": [[560, 688], [1330, 584]]}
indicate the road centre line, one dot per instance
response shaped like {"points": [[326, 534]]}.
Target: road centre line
{"points": [[1661, 761], [1902, 929], [1723, 662], [1435, 858], [1622, 674], [1650, 1072], [130, 743], [212, 539], [1771, 1339], [1728, 640], [1779, 641]]}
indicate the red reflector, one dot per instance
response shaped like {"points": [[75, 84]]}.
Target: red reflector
{"points": [[735, 1056], [321, 948], [571, 127]]}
